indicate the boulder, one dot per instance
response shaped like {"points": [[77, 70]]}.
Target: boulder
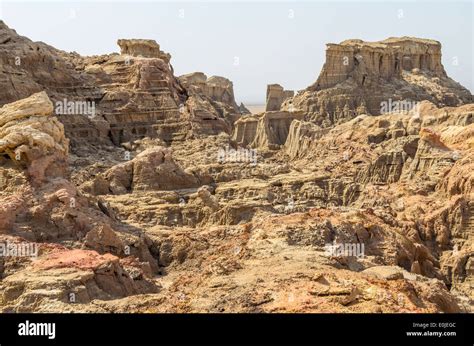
{"points": [[30, 134]]}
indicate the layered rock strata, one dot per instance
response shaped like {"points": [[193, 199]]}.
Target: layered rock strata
{"points": [[276, 95], [265, 130], [361, 77]]}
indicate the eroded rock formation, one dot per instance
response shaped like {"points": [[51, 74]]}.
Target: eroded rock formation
{"points": [[266, 130], [166, 199], [211, 104], [142, 48], [31, 134], [358, 77], [134, 94], [275, 97]]}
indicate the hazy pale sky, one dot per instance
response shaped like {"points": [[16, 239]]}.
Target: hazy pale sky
{"points": [[253, 43]]}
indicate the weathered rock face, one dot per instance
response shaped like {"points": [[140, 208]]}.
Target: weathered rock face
{"points": [[295, 243], [152, 169], [457, 264], [70, 277], [38, 203], [385, 59], [29, 134], [359, 77], [211, 105], [423, 161], [142, 48], [300, 137], [28, 67], [218, 89], [275, 97], [267, 130], [133, 95], [141, 98], [431, 159]]}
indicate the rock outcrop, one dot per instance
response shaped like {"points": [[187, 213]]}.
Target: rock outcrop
{"points": [[30, 134], [267, 130], [218, 89], [30, 67], [275, 97], [58, 281], [211, 105], [133, 95], [152, 169], [141, 95], [142, 48], [385, 59], [359, 77]]}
